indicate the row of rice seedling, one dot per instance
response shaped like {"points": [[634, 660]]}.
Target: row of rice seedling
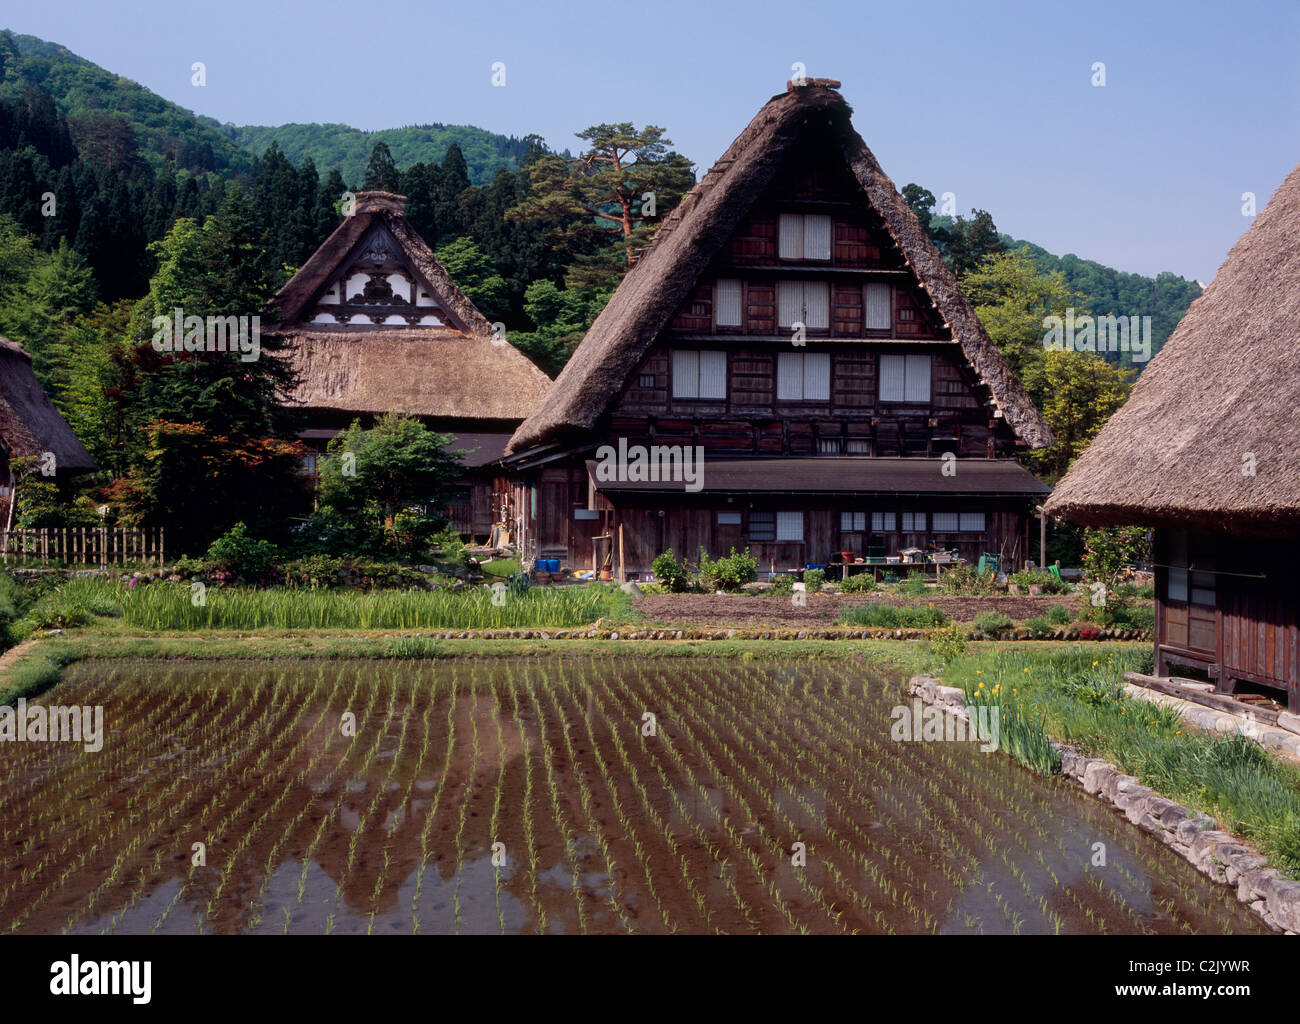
{"points": [[370, 811], [113, 829], [757, 882], [357, 749], [786, 766], [466, 795], [663, 830], [769, 844], [432, 813], [615, 896], [146, 806], [526, 814], [688, 829], [301, 783], [611, 785], [173, 607], [566, 828]]}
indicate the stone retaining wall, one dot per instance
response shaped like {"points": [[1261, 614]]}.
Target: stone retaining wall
{"points": [[1211, 850], [706, 633]]}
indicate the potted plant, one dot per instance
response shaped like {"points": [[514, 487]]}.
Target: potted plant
{"points": [[1030, 580]]}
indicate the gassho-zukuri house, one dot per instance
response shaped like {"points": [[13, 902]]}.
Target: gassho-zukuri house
{"points": [[373, 323], [1204, 453], [794, 336], [31, 428]]}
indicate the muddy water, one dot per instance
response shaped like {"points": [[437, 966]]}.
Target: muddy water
{"points": [[561, 795]]}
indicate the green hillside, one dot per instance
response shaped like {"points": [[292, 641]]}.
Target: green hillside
{"points": [[1164, 298], [96, 101], [101, 106], [348, 149]]}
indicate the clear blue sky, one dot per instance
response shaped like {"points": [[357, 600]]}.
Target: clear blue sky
{"points": [[990, 101]]}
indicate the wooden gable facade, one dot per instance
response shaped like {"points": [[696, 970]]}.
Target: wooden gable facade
{"points": [[837, 407]]}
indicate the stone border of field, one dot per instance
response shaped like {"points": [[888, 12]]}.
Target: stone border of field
{"points": [[1216, 853], [732, 633]]}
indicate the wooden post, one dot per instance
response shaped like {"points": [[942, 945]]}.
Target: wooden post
{"points": [[622, 577], [1042, 538]]}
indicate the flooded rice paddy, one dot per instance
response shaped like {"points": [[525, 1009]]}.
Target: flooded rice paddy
{"points": [[538, 795]]}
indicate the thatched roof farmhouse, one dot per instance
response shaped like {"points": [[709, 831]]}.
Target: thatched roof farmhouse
{"points": [[373, 323], [30, 426], [1204, 452], [792, 322]]}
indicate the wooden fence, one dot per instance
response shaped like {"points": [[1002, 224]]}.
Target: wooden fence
{"points": [[82, 545]]}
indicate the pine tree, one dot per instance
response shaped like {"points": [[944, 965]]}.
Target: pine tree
{"points": [[381, 172]]}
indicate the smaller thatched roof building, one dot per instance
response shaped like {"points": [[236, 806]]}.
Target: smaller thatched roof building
{"points": [[373, 324], [30, 426], [1207, 440]]}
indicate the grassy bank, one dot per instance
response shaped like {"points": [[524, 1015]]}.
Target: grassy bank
{"points": [[1076, 696]]}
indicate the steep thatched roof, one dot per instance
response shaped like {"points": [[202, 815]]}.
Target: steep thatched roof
{"points": [[703, 222], [424, 371], [456, 370], [29, 423], [1219, 398]]}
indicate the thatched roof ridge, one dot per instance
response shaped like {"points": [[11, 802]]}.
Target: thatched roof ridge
{"points": [[1222, 393], [29, 423], [693, 233], [297, 293]]}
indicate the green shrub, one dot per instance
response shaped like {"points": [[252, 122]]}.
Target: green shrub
{"points": [[1147, 592], [451, 549], [992, 623], [1095, 690], [191, 567], [948, 643], [963, 579], [243, 556], [914, 584], [813, 580], [11, 604], [1058, 615], [862, 583], [57, 612], [729, 573], [1038, 578], [782, 585], [671, 573], [323, 572], [1143, 617], [1038, 626]]}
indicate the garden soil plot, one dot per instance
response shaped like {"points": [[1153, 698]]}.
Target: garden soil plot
{"points": [[602, 828], [754, 610]]}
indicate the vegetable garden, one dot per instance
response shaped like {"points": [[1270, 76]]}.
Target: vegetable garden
{"points": [[601, 794]]}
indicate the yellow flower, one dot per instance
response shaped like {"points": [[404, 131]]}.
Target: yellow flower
{"points": [[1095, 664], [1026, 670]]}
